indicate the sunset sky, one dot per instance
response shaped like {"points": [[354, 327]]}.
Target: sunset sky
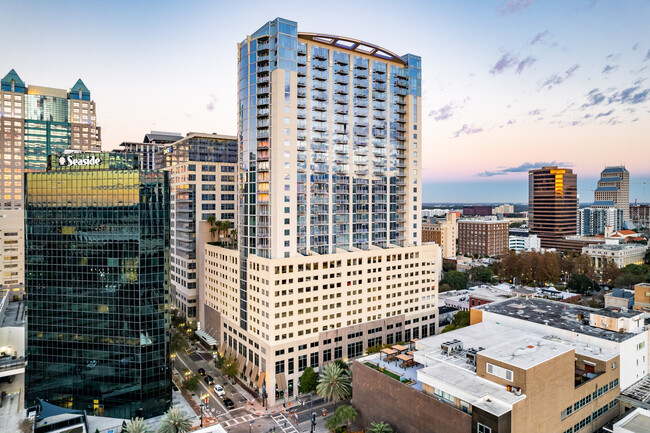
{"points": [[507, 85]]}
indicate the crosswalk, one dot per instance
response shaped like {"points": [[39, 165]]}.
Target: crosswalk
{"points": [[239, 420], [286, 425]]}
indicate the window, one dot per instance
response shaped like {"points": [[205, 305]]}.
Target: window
{"points": [[208, 178], [314, 359], [338, 352], [480, 428], [302, 362], [279, 367], [327, 355], [227, 168], [290, 366]]}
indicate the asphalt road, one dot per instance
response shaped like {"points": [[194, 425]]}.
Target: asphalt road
{"points": [[238, 420]]}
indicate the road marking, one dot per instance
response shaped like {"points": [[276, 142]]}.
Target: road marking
{"points": [[210, 391], [281, 421]]}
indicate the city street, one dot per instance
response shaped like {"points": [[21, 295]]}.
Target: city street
{"points": [[238, 420]]}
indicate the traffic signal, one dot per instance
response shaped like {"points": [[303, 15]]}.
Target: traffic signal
{"points": [[313, 419], [324, 412]]}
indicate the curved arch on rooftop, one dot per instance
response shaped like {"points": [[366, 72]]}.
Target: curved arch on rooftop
{"points": [[353, 45]]}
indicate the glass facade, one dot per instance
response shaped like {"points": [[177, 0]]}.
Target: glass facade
{"points": [[97, 268]]}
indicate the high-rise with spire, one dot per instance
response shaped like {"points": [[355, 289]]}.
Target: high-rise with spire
{"points": [[35, 121]]}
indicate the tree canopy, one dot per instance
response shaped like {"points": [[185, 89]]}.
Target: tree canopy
{"points": [[308, 381], [454, 279], [460, 320]]}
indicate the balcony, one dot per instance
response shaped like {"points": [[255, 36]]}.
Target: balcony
{"points": [[319, 107], [301, 103], [302, 71], [263, 112], [302, 124], [262, 58], [341, 110], [399, 100], [361, 95], [361, 103], [400, 119], [341, 90], [379, 96], [263, 133], [341, 120], [263, 123], [402, 92], [301, 93], [319, 96], [319, 127], [302, 84], [400, 110], [363, 172], [262, 69], [340, 140], [361, 152], [321, 76], [301, 114], [263, 101], [319, 65], [264, 79], [262, 47], [361, 83], [318, 147], [319, 85]]}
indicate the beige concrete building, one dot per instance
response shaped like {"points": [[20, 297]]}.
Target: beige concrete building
{"points": [[310, 310], [203, 184], [613, 190], [621, 254], [35, 121], [442, 232], [642, 297], [489, 237], [329, 258], [503, 208]]}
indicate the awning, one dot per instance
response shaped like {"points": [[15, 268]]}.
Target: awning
{"points": [[256, 371], [400, 348], [241, 363], [249, 370], [281, 381], [229, 352], [388, 351], [403, 357], [260, 381]]}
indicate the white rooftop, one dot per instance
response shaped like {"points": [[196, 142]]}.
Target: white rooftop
{"points": [[638, 421]]}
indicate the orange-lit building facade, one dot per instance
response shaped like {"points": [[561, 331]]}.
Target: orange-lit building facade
{"points": [[553, 205]]}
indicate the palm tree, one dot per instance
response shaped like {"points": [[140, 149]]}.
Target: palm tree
{"points": [[342, 415], [175, 421], [380, 427], [334, 383], [211, 219], [233, 236], [223, 227], [137, 425]]}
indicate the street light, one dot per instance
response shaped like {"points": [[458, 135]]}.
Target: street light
{"points": [[173, 357], [250, 425], [205, 398]]}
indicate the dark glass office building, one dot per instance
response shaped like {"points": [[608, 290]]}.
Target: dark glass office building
{"points": [[97, 268]]}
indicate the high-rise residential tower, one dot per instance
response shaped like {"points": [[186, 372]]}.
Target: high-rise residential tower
{"points": [[97, 269], [614, 190], [34, 122], [330, 260], [203, 176], [553, 205], [147, 150]]}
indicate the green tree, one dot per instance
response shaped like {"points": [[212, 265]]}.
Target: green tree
{"points": [[191, 383], [334, 383], [646, 258], [211, 219], [308, 381], [454, 279], [444, 287], [229, 367], [178, 342], [481, 273], [137, 425], [580, 283], [343, 366], [175, 421], [610, 273], [460, 320], [380, 427], [343, 415]]}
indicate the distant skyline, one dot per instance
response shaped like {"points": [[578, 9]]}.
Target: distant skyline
{"points": [[507, 85]]}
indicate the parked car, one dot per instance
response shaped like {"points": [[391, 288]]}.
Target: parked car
{"points": [[202, 371], [228, 403], [209, 380], [218, 389]]}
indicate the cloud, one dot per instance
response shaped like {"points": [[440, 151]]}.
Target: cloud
{"points": [[523, 168], [609, 68], [647, 56], [213, 101], [609, 113], [445, 112], [558, 78], [528, 61], [594, 98], [631, 95], [635, 46], [505, 62], [467, 130], [538, 37], [510, 122], [514, 6], [535, 112]]}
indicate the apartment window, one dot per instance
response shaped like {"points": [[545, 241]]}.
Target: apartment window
{"points": [[290, 366], [338, 352], [314, 359], [227, 169], [480, 428], [327, 355], [279, 367], [302, 362]]}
